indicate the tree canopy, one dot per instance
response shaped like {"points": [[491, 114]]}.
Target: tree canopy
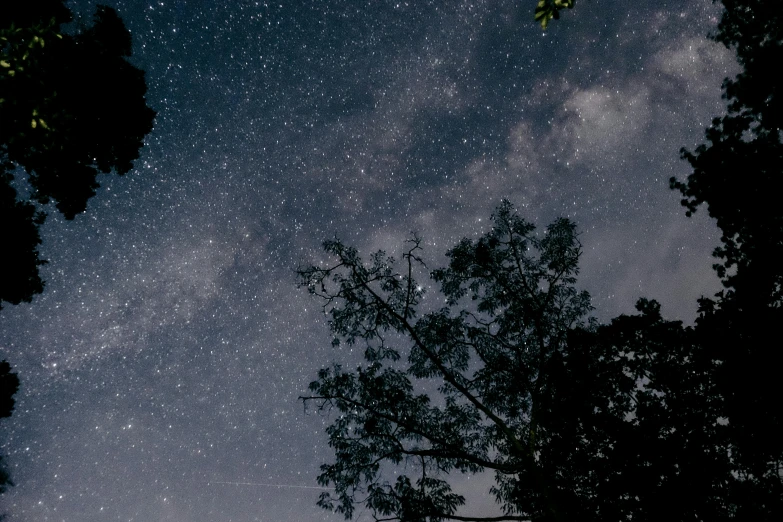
{"points": [[736, 175], [71, 107], [577, 421]]}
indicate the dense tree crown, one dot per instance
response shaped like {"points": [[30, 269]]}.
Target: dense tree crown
{"points": [[489, 362], [577, 421], [71, 106]]}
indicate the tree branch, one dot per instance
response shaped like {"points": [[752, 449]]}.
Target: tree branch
{"points": [[448, 449], [446, 373]]}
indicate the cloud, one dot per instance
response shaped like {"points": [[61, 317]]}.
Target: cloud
{"points": [[631, 113], [699, 63], [604, 122]]}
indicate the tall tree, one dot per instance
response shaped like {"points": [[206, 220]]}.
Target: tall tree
{"points": [[71, 106], [577, 421], [737, 175]]}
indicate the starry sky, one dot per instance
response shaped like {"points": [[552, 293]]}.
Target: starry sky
{"points": [[162, 364]]}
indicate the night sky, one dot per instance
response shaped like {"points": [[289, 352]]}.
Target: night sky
{"points": [[162, 364]]}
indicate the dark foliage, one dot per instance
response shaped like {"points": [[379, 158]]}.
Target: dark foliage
{"points": [[20, 240], [9, 384], [547, 10], [38, 12], [71, 107], [737, 174], [577, 421]]}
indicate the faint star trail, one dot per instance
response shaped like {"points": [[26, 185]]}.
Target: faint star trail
{"points": [[269, 485]]}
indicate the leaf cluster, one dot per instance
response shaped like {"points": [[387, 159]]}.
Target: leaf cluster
{"points": [[547, 10]]}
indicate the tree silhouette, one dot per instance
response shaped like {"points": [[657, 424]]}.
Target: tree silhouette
{"points": [[71, 106], [9, 384], [577, 421], [737, 174]]}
